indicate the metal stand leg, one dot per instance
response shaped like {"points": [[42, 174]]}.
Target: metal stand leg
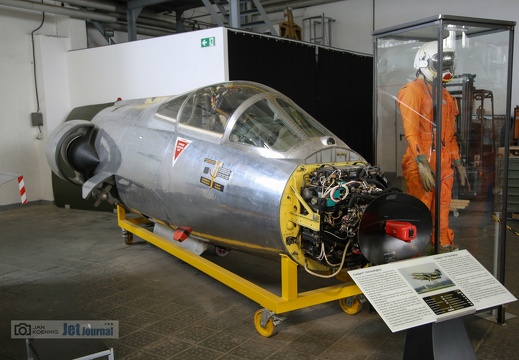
{"points": [[28, 349], [439, 341]]}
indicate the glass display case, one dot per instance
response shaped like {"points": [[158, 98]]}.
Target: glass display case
{"points": [[443, 121]]}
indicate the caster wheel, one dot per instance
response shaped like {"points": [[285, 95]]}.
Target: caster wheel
{"points": [[128, 237], [220, 251], [351, 305], [269, 328]]}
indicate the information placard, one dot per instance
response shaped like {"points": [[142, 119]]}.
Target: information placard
{"points": [[429, 289]]}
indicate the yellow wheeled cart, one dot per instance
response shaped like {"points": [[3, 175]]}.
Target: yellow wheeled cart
{"points": [[265, 319]]}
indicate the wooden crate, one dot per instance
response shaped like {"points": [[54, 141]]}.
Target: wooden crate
{"points": [[457, 204]]}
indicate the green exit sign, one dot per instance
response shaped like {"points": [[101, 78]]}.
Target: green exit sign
{"points": [[206, 42]]}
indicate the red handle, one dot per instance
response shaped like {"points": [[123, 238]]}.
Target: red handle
{"points": [[401, 230], [182, 233]]}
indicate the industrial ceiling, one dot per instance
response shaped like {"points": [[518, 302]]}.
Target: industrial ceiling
{"points": [[163, 17]]}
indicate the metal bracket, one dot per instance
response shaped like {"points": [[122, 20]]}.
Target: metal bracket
{"points": [[311, 220], [349, 301], [266, 315]]}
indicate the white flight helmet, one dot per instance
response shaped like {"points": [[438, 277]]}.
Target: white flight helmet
{"points": [[426, 60]]}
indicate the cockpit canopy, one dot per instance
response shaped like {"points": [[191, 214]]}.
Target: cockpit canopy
{"points": [[244, 112]]}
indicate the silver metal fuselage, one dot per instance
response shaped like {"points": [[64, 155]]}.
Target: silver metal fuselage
{"points": [[228, 193], [240, 166]]}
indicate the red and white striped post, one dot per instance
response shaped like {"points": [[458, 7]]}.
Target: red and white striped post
{"points": [[21, 187]]}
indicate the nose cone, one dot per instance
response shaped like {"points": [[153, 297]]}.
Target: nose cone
{"points": [[82, 155]]}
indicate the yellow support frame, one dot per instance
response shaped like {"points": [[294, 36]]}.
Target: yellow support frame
{"points": [[290, 298]]}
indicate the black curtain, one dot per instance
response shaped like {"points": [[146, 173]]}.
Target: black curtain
{"points": [[335, 87], [345, 83], [286, 66]]}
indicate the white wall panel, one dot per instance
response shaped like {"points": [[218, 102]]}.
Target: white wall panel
{"points": [[353, 24], [154, 67], [20, 150], [54, 90]]}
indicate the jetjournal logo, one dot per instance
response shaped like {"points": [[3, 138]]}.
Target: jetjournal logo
{"points": [[59, 329]]}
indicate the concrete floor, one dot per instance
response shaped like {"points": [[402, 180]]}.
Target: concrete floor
{"points": [[72, 264]]}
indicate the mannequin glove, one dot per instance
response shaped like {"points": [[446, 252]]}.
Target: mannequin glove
{"points": [[462, 173], [426, 172]]}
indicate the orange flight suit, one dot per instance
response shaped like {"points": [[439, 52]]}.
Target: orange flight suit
{"points": [[416, 108]]}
